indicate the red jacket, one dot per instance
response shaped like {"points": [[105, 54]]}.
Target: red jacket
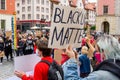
{"points": [[64, 58], [40, 71], [84, 41]]}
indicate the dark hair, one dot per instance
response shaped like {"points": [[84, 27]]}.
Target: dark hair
{"points": [[42, 45]]}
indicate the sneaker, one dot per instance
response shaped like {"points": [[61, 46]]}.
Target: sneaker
{"points": [[0, 63]]}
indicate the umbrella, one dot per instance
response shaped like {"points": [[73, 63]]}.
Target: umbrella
{"points": [[35, 27], [46, 28]]}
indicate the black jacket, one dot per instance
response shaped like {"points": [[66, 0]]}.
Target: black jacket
{"points": [[110, 65]]}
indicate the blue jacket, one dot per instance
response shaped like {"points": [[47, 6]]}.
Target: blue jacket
{"points": [[70, 73], [85, 64]]}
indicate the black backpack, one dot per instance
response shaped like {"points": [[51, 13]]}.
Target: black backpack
{"points": [[55, 71]]}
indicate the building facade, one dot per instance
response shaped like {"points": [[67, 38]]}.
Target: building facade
{"points": [[92, 14], [7, 9], [32, 13], [92, 17], [108, 16]]}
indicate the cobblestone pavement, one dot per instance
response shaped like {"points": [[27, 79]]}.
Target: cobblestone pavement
{"points": [[6, 69]]}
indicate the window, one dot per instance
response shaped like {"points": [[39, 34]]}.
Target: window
{"points": [[47, 10], [29, 1], [23, 16], [47, 17], [38, 1], [47, 3], [42, 17], [23, 9], [18, 4], [18, 12], [38, 25], [2, 4], [42, 2], [23, 1], [29, 16], [42, 9], [37, 16], [29, 8], [105, 9], [3, 22], [38, 8]]}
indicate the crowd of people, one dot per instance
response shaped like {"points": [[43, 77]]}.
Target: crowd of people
{"points": [[26, 44], [106, 51], [98, 58]]}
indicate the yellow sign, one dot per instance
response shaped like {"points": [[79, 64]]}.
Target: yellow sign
{"points": [[15, 33]]}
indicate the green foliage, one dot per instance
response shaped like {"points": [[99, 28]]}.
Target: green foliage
{"points": [[93, 28]]}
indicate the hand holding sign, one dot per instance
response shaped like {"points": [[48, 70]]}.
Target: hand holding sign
{"points": [[70, 52], [19, 73], [87, 40]]}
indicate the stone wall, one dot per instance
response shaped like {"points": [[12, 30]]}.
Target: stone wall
{"points": [[113, 24]]}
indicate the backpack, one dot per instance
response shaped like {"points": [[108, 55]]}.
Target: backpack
{"points": [[55, 71]]}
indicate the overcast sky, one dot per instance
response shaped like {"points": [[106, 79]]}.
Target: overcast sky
{"points": [[92, 0]]}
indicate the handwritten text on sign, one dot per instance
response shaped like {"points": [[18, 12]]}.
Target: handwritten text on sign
{"points": [[66, 27]]}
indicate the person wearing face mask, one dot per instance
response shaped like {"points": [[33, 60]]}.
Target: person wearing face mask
{"points": [[29, 45], [108, 69], [41, 68]]}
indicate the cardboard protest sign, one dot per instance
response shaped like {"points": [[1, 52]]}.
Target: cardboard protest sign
{"points": [[66, 27], [26, 63]]}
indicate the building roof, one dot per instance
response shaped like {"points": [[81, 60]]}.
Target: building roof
{"points": [[90, 6]]}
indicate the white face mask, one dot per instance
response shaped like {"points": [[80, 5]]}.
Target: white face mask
{"points": [[37, 52]]}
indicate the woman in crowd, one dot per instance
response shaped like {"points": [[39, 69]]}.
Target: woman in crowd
{"points": [[29, 46], [108, 69], [8, 48], [1, 50]]}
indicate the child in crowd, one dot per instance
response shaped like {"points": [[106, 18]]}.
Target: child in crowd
{"points": [[84, 62]]}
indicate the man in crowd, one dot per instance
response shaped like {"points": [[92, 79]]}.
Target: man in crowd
{"points": [[41, 68]]}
